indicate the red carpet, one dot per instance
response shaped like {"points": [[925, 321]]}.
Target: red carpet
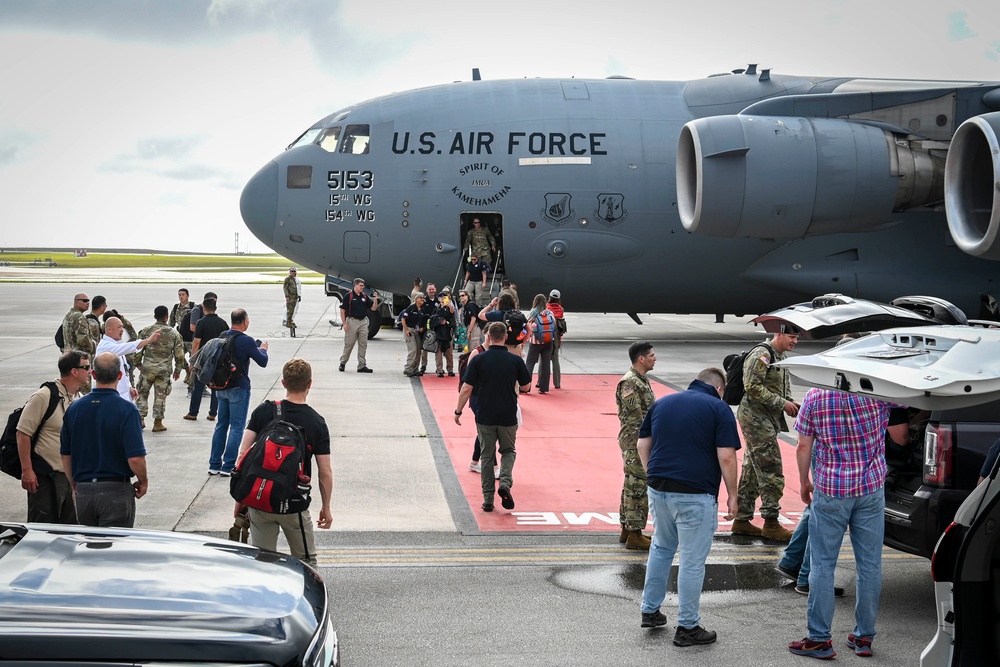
{"points": [[568, 475]]}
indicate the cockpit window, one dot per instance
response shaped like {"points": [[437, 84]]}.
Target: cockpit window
{"points": [[327, 139], [307, 137], [356, 139]]}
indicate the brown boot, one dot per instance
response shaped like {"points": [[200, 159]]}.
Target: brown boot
{"points": [[636, 540], [158, 426], [142, 422], [741, 527], [623, 536], [774, 531]]}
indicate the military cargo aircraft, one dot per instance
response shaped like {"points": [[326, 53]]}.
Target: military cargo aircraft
{"points": [[737, 193]]}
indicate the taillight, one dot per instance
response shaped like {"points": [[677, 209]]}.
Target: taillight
{"points": [[945, 553], [938, 441]]}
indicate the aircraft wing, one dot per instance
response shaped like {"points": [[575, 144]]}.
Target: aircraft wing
{"points": [[929, 367]]}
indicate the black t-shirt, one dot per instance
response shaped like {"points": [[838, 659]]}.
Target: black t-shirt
{"points": [[496, 374], [476, 270], [357, 306], [414, 317], [210, 326], [312, 422], [470, 312]]}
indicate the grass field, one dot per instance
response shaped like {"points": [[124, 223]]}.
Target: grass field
{"points": [[44, 260]]}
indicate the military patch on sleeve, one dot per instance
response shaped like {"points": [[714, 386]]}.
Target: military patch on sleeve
{"points": [[627, 391], [766, 360]]}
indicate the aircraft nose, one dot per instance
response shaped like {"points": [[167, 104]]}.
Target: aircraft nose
{"points": [[259, 203]]}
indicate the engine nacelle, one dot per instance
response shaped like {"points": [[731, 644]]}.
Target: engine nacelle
{"points": [[786, 177], [972, 186]]}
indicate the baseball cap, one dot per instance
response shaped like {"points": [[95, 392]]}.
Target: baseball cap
{"points": [[555, 294]]}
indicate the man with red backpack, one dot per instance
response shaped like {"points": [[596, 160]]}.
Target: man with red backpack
{"points": [[296, 377]]}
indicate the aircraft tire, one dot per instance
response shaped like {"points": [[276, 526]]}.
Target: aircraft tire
{"points": [[374, 323]]}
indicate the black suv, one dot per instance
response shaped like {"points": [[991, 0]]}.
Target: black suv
{"points": [[922, 494]]}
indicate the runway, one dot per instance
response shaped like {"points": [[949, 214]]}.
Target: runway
{"points": [[400, 462]]}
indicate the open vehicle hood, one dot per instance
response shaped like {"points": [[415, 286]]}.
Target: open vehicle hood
{"points": [[930, 367], [836, 314]]}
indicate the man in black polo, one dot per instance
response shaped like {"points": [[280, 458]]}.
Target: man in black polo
{"points": [[209, 326], [354, 314], [496, 374], [102, 449]]}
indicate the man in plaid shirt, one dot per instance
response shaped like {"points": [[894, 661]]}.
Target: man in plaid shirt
{"points": [[848, 434]]}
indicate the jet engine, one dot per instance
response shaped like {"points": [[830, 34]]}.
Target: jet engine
{"points": [[972, 186], [787, 177]]}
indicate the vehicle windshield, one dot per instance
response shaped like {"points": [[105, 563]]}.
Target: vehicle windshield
{"points": [[327, 140]]}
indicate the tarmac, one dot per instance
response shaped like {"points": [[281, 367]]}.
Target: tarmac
{"points": [[400, 462]]}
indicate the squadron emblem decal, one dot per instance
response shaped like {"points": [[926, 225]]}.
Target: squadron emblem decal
{"points": [[558, 208], [610, 208]]}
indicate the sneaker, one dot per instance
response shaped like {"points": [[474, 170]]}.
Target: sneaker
{"points": [[692, 636], [803, 589], [440, 374], [862, 646], [340, 368], [787, 572], [451, 374], [653, 620], [487, 507], [475, 466], [213, 471], [225, 473], [818, 650], [506, 499], [191, 418], [365, 369]]}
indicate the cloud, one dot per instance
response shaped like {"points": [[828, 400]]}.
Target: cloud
{"points": [[958, 26]]}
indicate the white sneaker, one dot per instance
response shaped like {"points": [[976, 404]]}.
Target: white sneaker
{"points": [[475, 467]]}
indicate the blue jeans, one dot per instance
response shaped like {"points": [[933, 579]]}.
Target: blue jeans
{"points": [[797, 552], [684, 523], [865, 515], [233, 407], [197, 388]]}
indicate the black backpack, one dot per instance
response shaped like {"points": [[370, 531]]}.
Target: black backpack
{"points": [[270, 476], [228, 371], [60, 339], [184, 328], [733, 365], [517, 327], [463, 363], [10, 461]]}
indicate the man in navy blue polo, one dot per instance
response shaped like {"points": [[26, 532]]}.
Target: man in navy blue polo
{"points": [[234, 403], [687, 444], [102, 449]]}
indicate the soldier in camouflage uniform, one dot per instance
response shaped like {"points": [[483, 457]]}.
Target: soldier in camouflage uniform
{"points": [[292, 298], [480, 242], [98, 306], [154, 362], [761, 415], [177, 313], [76, 331], [634, 397]]}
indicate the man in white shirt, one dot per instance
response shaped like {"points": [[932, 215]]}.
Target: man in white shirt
{"points": [[111, 342]]}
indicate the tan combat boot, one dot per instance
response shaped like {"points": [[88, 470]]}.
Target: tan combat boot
{"points": [[636, 540], [158, 426], [741, 527], [774, 531], [623, 536]]}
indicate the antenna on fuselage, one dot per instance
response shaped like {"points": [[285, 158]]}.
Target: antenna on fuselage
{"points": [[475, 74]]}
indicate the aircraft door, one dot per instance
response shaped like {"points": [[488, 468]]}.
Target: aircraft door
{"points": [[490, 222], [357, 247]]}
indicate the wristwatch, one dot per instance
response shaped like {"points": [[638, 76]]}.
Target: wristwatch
{"points": [[458, 413]]}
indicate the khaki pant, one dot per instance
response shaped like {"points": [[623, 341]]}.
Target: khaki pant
{"points": [[357, 332], [298, 530]]}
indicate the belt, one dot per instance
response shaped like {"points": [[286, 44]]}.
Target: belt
{"points": [[105, 480]]}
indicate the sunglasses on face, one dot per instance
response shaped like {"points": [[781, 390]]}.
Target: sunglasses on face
{"points": [[84, 300], [85, 367]]}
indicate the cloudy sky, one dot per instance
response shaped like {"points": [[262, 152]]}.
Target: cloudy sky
{"points": [[135, 123]]}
